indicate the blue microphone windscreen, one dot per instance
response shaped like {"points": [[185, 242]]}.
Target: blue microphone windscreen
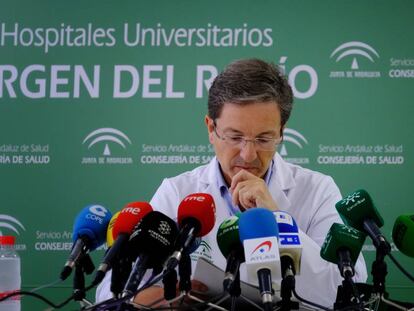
{"points": [[257, 223], [92, 222]]}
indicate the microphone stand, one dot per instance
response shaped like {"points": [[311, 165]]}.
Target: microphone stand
{"points": [[169, 280], [379, 272], [347, 291], [235, 291], [184, 271], [287, 286], [383, 248], [121, 270], [84, 265]]}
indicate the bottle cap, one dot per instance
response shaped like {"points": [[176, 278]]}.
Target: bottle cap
{"points": [[7, 240]]}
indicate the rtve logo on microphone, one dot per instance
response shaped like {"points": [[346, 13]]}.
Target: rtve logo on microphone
{"points": [[353, 55], [101, 145]]}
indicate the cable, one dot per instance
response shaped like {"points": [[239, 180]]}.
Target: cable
{"points": [[123, 299], [309, 302], [47, 285], [393, 304], [47, 301], [401, 267], [190, 307]]}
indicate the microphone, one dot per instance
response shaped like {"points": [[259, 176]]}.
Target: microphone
{"points": [[170, 276], [128, 217], [228, 241], [342, 246], [259, 231], [89, 231], [290, 249], [290, 246], [403, 234], [109, 231], [358, 211], [151, 243], [196, 217]]}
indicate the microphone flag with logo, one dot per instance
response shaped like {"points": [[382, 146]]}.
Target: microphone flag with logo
{"points": [[89, 230], [228, 241], [358, 211], [259, 233], [151, 243], [196, 217], [342, 246], [127, 219]]}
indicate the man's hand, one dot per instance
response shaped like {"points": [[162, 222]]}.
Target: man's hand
{"points": [[250, 191]]}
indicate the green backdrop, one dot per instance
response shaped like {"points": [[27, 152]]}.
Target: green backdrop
{"points": [[100, 100]]}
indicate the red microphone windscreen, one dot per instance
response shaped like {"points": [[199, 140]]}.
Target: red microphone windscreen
{"points": [[129, 216], [199, 206]]}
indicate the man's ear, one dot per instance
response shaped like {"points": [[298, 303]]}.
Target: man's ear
{"points": [[282, 129], [210, 128]]}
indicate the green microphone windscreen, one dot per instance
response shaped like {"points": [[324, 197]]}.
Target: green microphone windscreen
{"points": [[342, 237], [357, 207], [228, 235], [403, 234]]}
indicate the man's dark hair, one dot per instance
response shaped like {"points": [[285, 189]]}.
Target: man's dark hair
{"points": [[248, 81]]}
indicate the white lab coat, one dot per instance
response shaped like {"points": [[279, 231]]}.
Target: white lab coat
{"points": [[307, 195]]}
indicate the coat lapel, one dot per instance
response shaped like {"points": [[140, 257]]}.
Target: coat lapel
{"points": [[281, 182]]}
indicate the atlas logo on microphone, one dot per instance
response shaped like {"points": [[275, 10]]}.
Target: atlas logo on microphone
{"points": [[359, 52], [106, 137], [262, 248], [293, 137]]}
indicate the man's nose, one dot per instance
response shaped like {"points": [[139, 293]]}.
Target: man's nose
{"points": [[248, 152]]}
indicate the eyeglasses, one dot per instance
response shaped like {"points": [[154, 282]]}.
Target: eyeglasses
{"points": [[238, 141]]}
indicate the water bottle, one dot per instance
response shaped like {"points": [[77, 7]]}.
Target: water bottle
{"points": [[10, 280]]}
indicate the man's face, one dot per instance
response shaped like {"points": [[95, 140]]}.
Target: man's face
{"points": [[256, 120]]}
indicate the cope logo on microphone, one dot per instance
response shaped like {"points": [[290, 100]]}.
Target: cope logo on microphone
{"points": [[262, 248], [97, 213], [98, 210]]}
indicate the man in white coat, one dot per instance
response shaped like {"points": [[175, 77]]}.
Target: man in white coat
{"points": [[249, 105]]}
